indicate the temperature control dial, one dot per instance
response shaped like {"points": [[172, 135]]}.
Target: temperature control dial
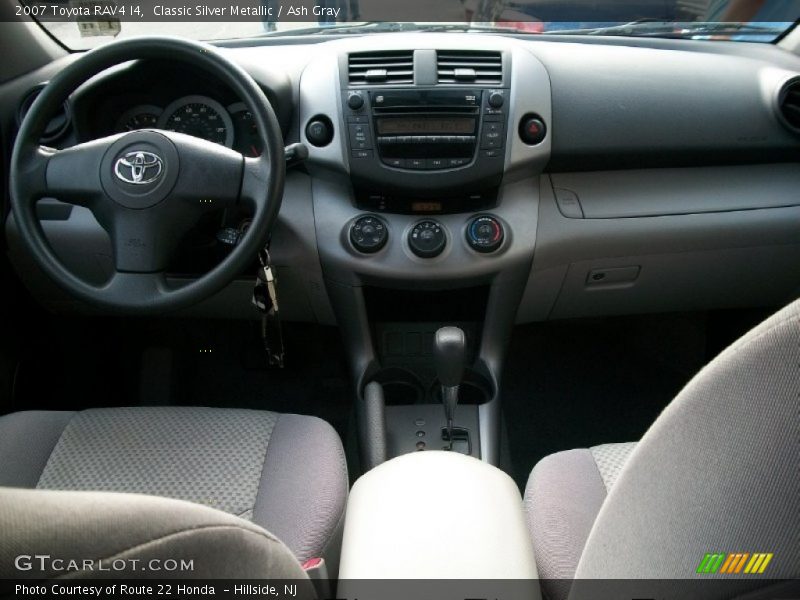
{"points": [[485, 234], [368, 234], [427, 239]]}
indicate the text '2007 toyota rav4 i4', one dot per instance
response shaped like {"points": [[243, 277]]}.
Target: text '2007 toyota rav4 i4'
{"points": [[365, 300]]}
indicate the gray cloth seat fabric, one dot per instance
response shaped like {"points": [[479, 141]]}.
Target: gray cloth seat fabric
{"points": [[53, 534], [285, 473], [716, 472], [562, 499]]}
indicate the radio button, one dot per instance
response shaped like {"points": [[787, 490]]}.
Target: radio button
{"points": [[360, 138], [415, 163], [492, 137], [397, 163], [457, 162], [493, 126], [437, 163], [496, 99], [355, 101]]}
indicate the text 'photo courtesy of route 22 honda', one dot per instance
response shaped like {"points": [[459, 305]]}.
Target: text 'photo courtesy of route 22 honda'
{"points": [[368, 300]]}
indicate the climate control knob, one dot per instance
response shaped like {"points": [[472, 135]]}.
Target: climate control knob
{"points": [[485, 234], [368, 234], [427, 239]]}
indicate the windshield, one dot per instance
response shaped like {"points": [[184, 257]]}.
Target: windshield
{"points": [[82, 24]]}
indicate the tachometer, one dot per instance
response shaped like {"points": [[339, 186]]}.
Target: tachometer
{"points": [[144, 116], [201, 117]]}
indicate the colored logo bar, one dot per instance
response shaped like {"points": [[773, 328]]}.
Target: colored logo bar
{"points": [[734, 563]]}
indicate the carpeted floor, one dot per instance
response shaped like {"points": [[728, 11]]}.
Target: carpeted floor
{"points": [[575, 384]]}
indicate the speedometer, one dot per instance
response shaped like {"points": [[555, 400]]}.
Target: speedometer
{"points": [[201, 117]]}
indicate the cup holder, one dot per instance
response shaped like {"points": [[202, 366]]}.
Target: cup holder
{"points": [[400, 386], [474, 389], [404, 387]]}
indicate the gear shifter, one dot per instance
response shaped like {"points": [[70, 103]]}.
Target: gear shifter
{"points": [[449, 351]]}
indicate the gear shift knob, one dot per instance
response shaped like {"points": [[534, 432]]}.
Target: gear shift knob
{"points": [[449, 353]]}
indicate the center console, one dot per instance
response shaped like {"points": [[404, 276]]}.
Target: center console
{"points": [[425, 159], [436, 516]]}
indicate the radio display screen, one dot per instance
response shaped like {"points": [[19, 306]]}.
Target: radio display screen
{"points": [[448, 126]]}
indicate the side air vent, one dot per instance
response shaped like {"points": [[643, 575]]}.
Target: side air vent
{"points": [[468, 66], [789, 103], [59, 122], [396, 67]]}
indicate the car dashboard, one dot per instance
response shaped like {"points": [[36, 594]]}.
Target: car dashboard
{"points": [[556, 177]]}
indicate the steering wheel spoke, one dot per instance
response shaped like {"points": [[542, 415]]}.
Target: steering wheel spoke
{"points": [[210, 174], [148, 288], [255, 183], [143, 241], [72, 175]]}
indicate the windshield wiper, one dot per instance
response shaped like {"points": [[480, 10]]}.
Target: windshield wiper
{"points": [[674, 30]]}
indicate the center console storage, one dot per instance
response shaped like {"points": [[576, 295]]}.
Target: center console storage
{"points": [[436, 515]]}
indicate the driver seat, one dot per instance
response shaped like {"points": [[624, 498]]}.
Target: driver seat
{"points": [[278, 473]]}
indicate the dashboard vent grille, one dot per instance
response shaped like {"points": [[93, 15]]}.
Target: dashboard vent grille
{"points": [[469, 66], [396, 67], [789, 103]]}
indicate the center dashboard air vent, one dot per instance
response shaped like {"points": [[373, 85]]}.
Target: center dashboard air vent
{"points": [[789, 103], [470, 66], [390, 67]]}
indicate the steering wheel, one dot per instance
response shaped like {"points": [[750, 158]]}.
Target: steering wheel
{"points": [[147, 188]]}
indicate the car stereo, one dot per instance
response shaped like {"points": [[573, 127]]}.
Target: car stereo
{"points": [[422, 141]]}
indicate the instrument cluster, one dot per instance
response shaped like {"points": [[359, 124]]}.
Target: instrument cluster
{"points": [[200, 116]]}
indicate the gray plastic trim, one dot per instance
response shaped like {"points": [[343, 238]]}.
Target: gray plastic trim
{"points": [[319, 95], [698, 261], [622, 104], [654, 192]]}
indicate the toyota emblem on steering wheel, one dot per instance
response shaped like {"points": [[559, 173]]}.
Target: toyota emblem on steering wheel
{"points": [[138, 167]]}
